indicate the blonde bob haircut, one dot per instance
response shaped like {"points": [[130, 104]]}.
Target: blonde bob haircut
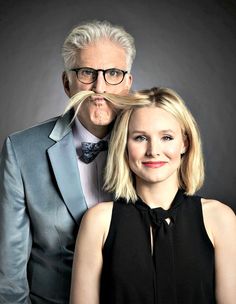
{"points": [[118, 177]]}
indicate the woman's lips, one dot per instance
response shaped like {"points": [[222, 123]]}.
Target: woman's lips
{"points": [[151, 164]]}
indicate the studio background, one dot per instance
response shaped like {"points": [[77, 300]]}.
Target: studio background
{"points": [[185, 45]]}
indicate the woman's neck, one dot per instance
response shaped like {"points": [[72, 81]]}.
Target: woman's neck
{"points": [[158, 194]]}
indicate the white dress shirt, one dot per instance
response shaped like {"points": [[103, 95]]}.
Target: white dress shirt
{"points": [[91, 175]]}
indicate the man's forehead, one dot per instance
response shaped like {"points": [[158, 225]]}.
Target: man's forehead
{"points": [[102, 54]]}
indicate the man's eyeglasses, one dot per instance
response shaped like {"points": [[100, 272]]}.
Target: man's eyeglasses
{"points": [[89, 75]]}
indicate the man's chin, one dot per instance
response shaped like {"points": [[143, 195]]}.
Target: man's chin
{"points": [[102, 118]]}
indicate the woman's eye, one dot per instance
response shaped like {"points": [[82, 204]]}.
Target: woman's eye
{"points": [[167, 138], [140, 138]]}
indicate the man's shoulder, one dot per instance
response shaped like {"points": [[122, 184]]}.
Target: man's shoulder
{"points": [[54, 129], [41, 136], [35, 137], [39, 128]]}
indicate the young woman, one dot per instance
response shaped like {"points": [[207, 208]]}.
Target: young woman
{"points": [[157, 242]]}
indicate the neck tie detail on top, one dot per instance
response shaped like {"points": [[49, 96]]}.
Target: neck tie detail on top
{"points": [[161, 222]]}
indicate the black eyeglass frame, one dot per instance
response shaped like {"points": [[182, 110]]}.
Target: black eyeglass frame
{"points": [[76, 70]]}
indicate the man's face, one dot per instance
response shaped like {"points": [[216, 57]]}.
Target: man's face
{"points": [[96, 112]]}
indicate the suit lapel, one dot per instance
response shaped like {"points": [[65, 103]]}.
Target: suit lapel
{"points": [[64, 164]]}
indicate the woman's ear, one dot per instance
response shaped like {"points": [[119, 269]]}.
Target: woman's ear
{"points": [[185, 144]]}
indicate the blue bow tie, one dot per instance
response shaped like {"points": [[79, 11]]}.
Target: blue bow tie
{"points": [[91, 150]]}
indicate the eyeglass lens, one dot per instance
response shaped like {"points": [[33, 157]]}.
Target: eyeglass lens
{"points": [[111, 76]]}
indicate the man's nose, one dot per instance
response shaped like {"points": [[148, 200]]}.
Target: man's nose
{"points": [[99, 85]]}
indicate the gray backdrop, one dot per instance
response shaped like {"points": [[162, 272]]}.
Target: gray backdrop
{"points": [[185, 45]]}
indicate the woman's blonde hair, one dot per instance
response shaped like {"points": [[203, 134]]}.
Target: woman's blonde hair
{"points": [[118, 176], [119, 102]]}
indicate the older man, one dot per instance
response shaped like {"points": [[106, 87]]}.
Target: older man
{"points": [[47, 183]]}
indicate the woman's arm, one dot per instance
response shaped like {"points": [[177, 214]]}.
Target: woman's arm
{"points": [[87, 264], [220, 222]]}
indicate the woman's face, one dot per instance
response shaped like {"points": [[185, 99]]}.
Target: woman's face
{"points": [[155, 143]]}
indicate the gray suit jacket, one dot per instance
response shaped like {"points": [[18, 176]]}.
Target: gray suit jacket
{"points": [[41, 205]]}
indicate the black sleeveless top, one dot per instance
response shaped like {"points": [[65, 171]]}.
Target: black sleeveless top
{"points": [[180, 270]]}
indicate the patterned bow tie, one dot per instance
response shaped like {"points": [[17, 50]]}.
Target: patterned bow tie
{"points": [[91, 150]]}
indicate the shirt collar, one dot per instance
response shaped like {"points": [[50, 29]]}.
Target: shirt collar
{"points": [[81, 134]]}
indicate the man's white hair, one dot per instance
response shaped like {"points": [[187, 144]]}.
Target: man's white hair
{"points": [[90, 32]]}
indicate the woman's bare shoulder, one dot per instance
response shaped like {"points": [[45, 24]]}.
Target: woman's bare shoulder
{"points": [[217, 209], [219, 219], [96, 221], [98, 212]]}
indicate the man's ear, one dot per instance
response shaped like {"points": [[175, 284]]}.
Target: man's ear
{"points": [[66, 83], [128, 84], [130, 81]]}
